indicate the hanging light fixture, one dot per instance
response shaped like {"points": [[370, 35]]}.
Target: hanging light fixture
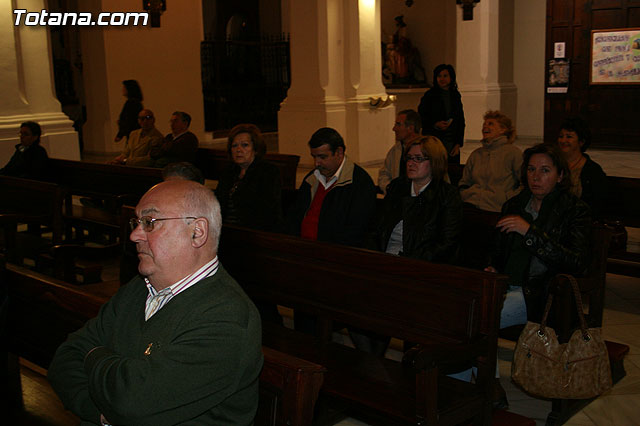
{"points": [[155, 9]]}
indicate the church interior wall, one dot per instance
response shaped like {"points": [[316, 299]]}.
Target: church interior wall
{"points": [[529, 66], [165, 61]]}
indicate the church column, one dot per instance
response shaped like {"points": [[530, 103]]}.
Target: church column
{"points": [[484, 63], [26, 84], [335, 69]]}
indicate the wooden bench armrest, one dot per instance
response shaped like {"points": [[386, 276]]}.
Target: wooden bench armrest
{"points": [[12, 218], [423, 357], [87, 252]]}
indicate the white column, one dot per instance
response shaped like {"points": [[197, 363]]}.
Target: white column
{"points": [[335, 69], [26, 84], [484, 63]]}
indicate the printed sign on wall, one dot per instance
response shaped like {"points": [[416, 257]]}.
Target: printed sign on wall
{"points": [[615, 56]]}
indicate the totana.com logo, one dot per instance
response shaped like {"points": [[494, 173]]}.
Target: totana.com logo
{"points": [[45, 18]]}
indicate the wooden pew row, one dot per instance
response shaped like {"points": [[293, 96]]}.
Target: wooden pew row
{"points": [[212, 162], [42, 311], [452, 312], [115, 185], [622, 207], [38, 204]]}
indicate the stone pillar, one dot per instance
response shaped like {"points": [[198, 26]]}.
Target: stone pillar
{"points": [[336, 67], [26, 84], [484, 63]]}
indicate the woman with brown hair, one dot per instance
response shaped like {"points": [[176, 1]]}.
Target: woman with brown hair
{"points": [[544, 231], [249, 191]]}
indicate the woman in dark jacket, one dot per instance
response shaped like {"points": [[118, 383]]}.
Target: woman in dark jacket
{"points": [[250, 190], [588, 181], [441, 111], [422, 213], [30, 159], [128, 119], [544, 231], [421, 218]]}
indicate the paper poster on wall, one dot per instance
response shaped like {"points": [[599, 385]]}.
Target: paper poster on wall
{"points": [[615, 56], [558, 80]]}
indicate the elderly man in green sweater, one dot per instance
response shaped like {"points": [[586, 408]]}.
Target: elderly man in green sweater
{"points": [[179, 344]]}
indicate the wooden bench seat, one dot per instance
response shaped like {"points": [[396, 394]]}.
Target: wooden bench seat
{"points": [[112, 185], [451, 312], [37, 204]]}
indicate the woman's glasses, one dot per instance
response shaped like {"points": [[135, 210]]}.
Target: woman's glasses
{"points": [[416, 158]]}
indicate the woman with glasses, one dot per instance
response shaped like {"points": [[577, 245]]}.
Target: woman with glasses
{"points": [[421, 218], [422, 212], [492, 173]]}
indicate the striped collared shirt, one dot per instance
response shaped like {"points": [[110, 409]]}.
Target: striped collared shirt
{"points": [[157, 299]]}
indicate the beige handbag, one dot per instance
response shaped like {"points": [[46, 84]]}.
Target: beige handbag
{"points": [[578, 369]]}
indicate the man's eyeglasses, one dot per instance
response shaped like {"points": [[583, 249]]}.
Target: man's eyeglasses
{"points": [[416, 158], [148, 221], [145, 117]]}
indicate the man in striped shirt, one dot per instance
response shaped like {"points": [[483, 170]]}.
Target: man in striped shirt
{"points": [[180, 343]]}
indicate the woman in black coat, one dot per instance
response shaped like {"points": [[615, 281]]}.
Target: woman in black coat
{"points": [[128, 119], [588, 180], [544, 231], [441, 111], [422, 212], [250, 190], [421, 218]]}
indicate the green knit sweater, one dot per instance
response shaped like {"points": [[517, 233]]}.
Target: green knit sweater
{"points": [[195, 362]]}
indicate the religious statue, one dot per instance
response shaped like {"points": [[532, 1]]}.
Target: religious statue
{"points": [[402, 59]]}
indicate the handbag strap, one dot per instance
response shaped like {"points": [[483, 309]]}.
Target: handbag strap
{"points": [[578, 299]]}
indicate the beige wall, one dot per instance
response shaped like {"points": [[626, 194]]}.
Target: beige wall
{"points": [[529, 67], [165, 61]]}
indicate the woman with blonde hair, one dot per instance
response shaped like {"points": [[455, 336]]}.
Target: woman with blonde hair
{"points": [[492, 173], [422, 212], [421, 217]]}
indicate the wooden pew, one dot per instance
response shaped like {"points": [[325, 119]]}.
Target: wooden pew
{"points": [[32, 202], [623, 207], [213, 162], [452, 312], [42, 311], [114, 184]]}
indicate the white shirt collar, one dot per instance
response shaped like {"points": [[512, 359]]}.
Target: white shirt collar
{"points": [[323, 180], [420, 191]]}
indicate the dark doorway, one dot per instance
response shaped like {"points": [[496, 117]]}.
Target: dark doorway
{"points": [[245, 70]]}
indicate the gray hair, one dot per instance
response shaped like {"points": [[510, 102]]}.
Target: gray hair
{"points": [[199, 201]]}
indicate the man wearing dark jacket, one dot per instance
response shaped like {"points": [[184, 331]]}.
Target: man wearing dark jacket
{"points": [[336, 200]]}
